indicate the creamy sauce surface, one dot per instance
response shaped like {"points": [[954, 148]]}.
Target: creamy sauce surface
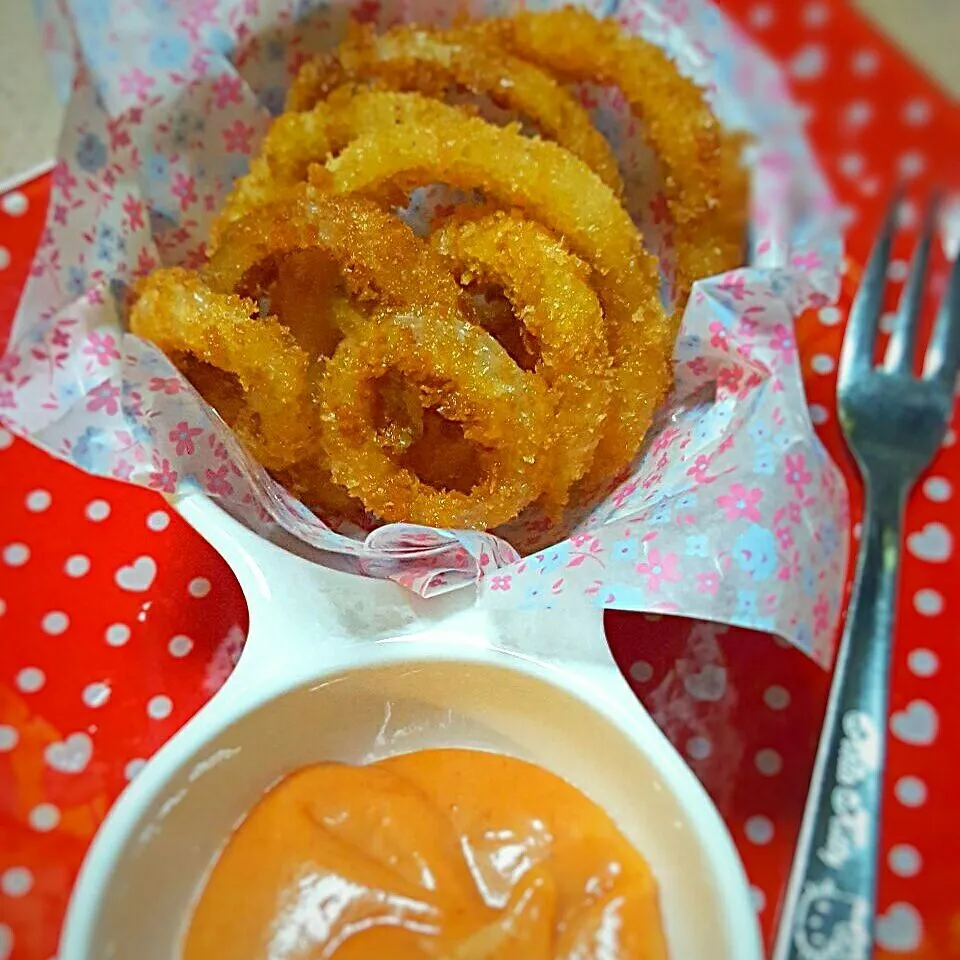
{"points": [[447, 854]]}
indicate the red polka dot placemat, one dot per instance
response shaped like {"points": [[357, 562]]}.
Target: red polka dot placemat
{"points": [[117, 622]]}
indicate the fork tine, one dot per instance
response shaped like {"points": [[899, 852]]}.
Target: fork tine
{"points": [[903, 338], [856, 355], [943, 353]]}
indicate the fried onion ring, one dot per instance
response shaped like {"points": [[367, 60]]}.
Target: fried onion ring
{"points": [[305, 298], [705, 183], [179, 313], [438, 63], [468, 378], [418, 412], [397, 141], [403, 140], [549, 290], [380, 261], [379, 257]]}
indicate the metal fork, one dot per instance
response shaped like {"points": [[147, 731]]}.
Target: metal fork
{"points": [[893, 422]]}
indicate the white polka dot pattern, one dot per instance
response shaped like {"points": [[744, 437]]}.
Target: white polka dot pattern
{"points": [[14, 204], [16, 881], [44, 817], [55, 623], [16, 554], [77, 566], [30, 680], [117, 634], [776, 698], [699, 748], [159, 707], [38, 501], [910, 791], [198, 587], [98, 510], [759, 830]]}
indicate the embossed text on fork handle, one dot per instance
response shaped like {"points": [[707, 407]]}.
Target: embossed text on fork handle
{"points": [[831, 896]]}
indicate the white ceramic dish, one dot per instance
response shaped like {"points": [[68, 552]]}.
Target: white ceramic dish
{"points": [[341, 668]]}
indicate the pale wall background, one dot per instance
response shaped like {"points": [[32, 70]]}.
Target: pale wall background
{"points": [[30, 114]]}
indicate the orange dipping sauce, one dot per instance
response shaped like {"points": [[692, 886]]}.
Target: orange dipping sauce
{"points": [[447, 854]]}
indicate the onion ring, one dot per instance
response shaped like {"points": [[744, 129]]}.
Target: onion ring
{"points": [[705, 184], [308, 298], [179, 313], [380, 260], [468, 378], [310, 481], [549, 290], [397, 141], [412, 394], [379, 257], [305, 298], [437, 63], [403, 140]]}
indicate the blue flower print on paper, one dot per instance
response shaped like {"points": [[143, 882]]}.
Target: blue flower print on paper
{"points": [[89, 451], [536, 595], [697, 545], [804, 637], [93, 14], [76, 280], [746, 609], [157, 169], [91, 153], [660, 514], [724, 311], [108, 243], [760, 432], [829, 539], [783, 442], [555, 558], [141, 434], [756, 552], [169, 51], [687, 502], [808, 581], [720, 418], [703, 431], [184, 127], [158, 8], [67, 394], [220, 41], [626, 549], [765, 461]]}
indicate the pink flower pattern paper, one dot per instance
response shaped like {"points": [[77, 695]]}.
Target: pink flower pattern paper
{"points": [[734, 513]]}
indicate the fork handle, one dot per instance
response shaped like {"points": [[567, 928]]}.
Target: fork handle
{"points": [[830, 903]]}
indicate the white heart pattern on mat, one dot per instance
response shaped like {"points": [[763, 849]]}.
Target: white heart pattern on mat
{"points": [[917, 724], [137, 576], [710, 684], [900, 929], [933, 543], [71, 755]]}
